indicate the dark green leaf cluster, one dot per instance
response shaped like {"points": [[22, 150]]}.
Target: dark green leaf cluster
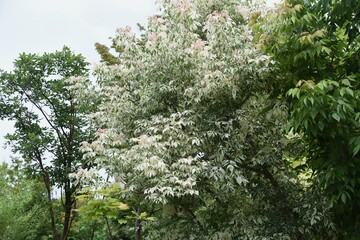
{"points": [[316, 48], [49, 124]]}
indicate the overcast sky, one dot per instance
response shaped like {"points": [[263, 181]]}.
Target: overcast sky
{"points": [[47, 25], [37, 26]]}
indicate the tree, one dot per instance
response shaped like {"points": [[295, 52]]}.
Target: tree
{"points": [[186, 127], [315, 46], [49, 124]]}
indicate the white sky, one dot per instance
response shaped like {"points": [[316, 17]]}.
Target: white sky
{"points": [[47, 25], [37, 26]]}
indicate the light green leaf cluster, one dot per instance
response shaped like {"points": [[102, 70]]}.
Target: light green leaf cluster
{"points": [[184, 121], [155, 99], [100, 204]]}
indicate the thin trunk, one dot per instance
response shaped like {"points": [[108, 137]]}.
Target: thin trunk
{"points": [[68, 207], [138, 226], [109, 229], [46, 180], [93, 230], [68, 189], [51, 210], [67, 219]]}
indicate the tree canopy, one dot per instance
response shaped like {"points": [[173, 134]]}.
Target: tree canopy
{"points": [[186, 125], [49, 124], [316, 52], [219, 119]]}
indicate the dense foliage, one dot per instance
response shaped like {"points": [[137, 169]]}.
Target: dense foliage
{"points": [[186, 126], [222, 119], [49, 124], [316, 48], [23, 207]]}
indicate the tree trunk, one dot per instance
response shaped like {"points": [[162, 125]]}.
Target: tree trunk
{"points": [[46, 180], [93, 230], [68, 207], [109, 229], [51, 210], [138, 226]]}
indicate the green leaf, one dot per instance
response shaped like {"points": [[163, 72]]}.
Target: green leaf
{"points": [[122, 221], [342, 91], [336, 117], [326, 49], [346, 82], [349, 91], [328, 175], [343, 198], [150, 218], [311, 100], [356, 149], [313, 114], [305, 101]]}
